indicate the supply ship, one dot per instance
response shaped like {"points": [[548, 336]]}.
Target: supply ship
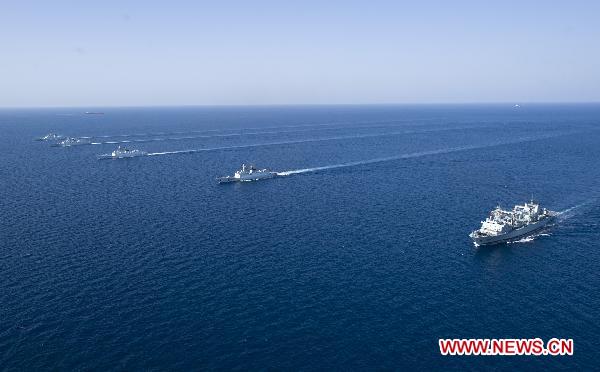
{"points": [[502, 226]]}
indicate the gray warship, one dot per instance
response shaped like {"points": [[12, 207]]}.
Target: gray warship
{"points": [[51, 137], [122, 153], [248, 173], [503, 226], [72, 141]]}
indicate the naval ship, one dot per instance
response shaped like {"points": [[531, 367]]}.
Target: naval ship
{"points": [[502, 226], [122, 152], [72, 141], [51, 137], [247, 174]]}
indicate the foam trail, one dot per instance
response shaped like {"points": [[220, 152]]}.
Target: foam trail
{"points": [[160, 139], [206, 131], [191, 151], [532, 237], [414, 155], [527, 239], [294, 142], [570, 212], [176, 152], [307, 126]]}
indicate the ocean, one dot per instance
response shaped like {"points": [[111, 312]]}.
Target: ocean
{"points": [[356, 258]]}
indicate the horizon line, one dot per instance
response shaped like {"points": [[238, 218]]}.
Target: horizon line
{"points": [[512, 103]]}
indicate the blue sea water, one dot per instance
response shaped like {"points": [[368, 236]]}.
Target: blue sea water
{"points": [[358, 259]]}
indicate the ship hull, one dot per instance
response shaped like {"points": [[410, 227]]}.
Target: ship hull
{"points": [[512, 235], [70, 144], [255, 177], [109, 156]]}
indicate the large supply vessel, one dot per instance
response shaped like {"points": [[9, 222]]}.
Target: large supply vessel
{"points": [[503, 225]]}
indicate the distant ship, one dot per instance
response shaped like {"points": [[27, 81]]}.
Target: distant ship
{"points": [[502, 226], [72, 141], [247, 174], [122, 152], [51, 137], [93, 113]]}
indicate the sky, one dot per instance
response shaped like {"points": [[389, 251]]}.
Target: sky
{"points": [[145, 53]]}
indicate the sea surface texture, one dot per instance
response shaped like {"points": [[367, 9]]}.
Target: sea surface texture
{"points": [[356, 258]]}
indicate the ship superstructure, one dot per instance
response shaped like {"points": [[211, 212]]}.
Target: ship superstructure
{"points": [[72, 141], [248, 173], [51, 137], [123, 152], [505, 225]]}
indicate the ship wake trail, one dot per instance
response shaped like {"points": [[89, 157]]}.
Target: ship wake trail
{"points": [[417, 154], [209, 133], [333, 138], [576, 209], [278, 143], [529, 238], [156, 139], [307, 127]]}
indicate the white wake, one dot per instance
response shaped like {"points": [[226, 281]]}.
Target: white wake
{"points": [[415, 155], [277, 143], [529, 238], [577, 209], [333, 138], [257, 130]]}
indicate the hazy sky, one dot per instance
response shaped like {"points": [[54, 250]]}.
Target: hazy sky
{"points": [[78, 53]]}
